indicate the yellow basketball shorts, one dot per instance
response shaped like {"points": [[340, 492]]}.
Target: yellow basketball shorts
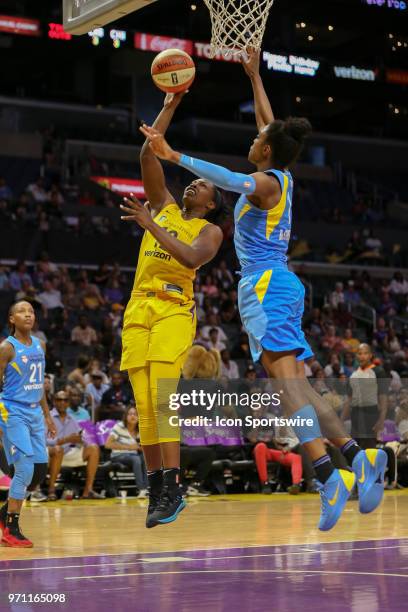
{"points": [[156, 329]]}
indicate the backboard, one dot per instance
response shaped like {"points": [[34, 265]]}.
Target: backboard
{"points": [[82, 16]]}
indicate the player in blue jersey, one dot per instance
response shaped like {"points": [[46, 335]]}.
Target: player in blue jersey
{"points": [[24, 417], [271, 298]]}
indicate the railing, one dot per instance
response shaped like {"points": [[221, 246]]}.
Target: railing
{"points": [[365, 313]]}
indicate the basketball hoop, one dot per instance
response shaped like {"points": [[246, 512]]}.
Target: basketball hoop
{"points": [[237, 24]]}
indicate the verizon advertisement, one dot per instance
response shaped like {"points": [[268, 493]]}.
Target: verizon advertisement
{"points": [[19, 25], [121, 186]]}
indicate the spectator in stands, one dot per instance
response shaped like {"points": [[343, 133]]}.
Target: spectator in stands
{"points": [[209, 288], [372, 244], [67, 449], [37, 191], [114, 400], [214, 342], [38, 333], [241, 348], [350, 344], [337, 296], [55, 196], [77, 376], [274, 449], [331, 341], [4, 279], [96, 388], [83, 333], [107, 336], [212, 321], [394, 377], [50, 297], [124, 442], [398, 285], [113, 293], [102, 275], [333, 368], [351, 295], [116, 315], [388, 307], [5, 190], [95, 366], [380, 333], [349, 365], [391, 342], [76, 409], [229, 368], [229, 311], [48, 389], [223, 275], [45, 267], [18, 276], [70, 297], [314, 323], [90, 295]]}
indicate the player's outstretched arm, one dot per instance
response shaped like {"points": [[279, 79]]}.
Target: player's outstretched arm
{"points": [[201, 250], [265, 190], [263, 110], [154, 181]]}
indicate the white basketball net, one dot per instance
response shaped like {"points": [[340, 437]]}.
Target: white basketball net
{"points": [[237, 24]]}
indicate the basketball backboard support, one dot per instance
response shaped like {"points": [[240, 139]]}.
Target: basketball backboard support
{"points": [[82, 16]]}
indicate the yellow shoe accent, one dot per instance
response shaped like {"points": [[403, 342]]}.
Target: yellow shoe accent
{"points": [[362, 479], [371, 455], [333, 500], [348, 478]]}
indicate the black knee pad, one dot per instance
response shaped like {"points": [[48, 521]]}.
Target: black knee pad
{"points": [[40, 472]]}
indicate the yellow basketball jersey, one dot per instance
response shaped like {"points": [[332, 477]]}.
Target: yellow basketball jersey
{"points": [[157, 270]]}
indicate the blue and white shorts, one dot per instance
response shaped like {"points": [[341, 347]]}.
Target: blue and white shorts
{"points": [[271, 304]]}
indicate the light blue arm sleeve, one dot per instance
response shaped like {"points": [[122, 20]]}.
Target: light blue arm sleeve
{"points": [[230, 181]]}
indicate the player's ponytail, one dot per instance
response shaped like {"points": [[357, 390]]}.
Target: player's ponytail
{"points": [[286, 139], [298, 128]]}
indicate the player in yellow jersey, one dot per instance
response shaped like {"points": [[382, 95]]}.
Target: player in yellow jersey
{"points": [[160, 320]]}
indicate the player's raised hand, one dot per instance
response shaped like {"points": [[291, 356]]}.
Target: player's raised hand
{"points": [[158, 143], [172, 100], [250, 63], [136, 212]]}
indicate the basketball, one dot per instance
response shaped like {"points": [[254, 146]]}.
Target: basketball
{"points": [[173, 70]]}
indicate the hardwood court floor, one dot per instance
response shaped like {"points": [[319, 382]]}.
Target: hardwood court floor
{"points": [[83, 528], [243, 553]]}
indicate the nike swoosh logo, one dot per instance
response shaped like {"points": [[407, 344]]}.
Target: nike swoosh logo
{"points": [[334, 498], [362, 479]]}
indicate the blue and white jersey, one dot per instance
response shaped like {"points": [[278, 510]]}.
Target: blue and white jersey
{"points": [[262, 236], [24, 375]]}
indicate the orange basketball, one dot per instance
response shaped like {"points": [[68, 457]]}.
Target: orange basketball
{"points": [[173, 70]]}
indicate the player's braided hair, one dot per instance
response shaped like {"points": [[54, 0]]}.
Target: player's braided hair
{"points": [[11, 326], [287, 139], [217, 215]]}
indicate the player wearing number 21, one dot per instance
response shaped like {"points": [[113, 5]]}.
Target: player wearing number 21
{"points": [[24, 417]]}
